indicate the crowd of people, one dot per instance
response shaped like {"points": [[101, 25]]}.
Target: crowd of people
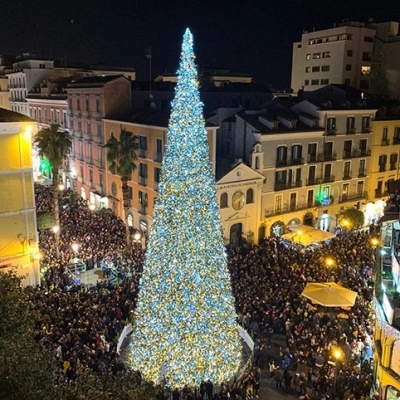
{"points": [[84, 324], [267, 283]]}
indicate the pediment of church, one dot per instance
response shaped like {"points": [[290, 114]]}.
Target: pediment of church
{"points": [[240, 174]]}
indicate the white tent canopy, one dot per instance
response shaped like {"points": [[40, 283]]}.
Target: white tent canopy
{"points": [[305, 235]]}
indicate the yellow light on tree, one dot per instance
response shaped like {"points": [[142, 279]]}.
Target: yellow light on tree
{"points": [[185, 326]]}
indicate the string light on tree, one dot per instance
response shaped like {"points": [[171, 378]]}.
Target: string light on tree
{"points": [[185, 326]]}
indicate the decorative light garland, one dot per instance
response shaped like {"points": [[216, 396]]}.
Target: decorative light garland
{"points": [[185, 327]]}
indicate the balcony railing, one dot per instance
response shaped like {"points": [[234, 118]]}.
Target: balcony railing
{"points": [[350, 131], [287, 208], [361, 173], [347, 175], [327, 179], [311, 158], [99, 163], [331, 132], [158, 157], [396, 140], [98, 139], [287, 185], [351, 197], [380, 193], [357, 153], [385, 142], [327, 157], [142, 209], [142, 180], [142, 153], [366, 129]]}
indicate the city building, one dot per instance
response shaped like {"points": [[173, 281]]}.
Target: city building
{"points": [[150, 126], [346, 54], [385, 154], [90, 100], [387, 300], [239, 190], [18, 231], [314, 157]]}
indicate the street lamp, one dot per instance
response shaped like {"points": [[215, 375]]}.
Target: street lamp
{"points": [[91, 206], [299, 233], [75, 248], [337, 355], [61, 187], [137, 239]]}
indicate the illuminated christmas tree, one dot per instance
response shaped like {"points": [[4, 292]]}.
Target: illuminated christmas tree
{"points": [[185, 326]]}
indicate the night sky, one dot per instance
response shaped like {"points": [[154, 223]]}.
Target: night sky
{"points": [[252, 36]]}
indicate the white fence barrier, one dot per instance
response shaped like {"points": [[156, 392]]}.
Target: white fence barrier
{"points": [[242, 332]]}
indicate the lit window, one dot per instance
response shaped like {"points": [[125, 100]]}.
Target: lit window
{"points": [[365, 70], [308, 57], [326, 54], [316, 56], [307, 69]]}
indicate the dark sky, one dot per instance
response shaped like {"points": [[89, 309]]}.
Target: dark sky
{"points": [[253, 36]]}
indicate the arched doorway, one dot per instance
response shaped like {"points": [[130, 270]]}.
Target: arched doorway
{"points": [[308, 219], [236, 234], [261, 233], [277, 229]]}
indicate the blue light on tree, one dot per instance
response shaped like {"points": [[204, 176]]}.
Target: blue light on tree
{"points": [[185, 323]]}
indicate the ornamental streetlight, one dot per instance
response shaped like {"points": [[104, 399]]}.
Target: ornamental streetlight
{"points": [[137, 237], [337, 355]]}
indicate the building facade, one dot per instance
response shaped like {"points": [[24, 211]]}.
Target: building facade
{"points": [[18, 231], [345, 54], [150, 126], [89, 101], [314, 159]]}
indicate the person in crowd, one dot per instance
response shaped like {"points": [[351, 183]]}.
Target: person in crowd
{"points": [[84, 323]]}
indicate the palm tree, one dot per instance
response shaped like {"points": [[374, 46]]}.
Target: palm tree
{"points": [[54, 144], [121, 156]]}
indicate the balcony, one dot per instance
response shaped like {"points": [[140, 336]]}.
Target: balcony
{"points": [[143, 209], [313, 181], [351, 197], [350, 131], [98, 139], [330, 131], [158, 157], [311, 158], [327, 179], [366, 129], [142, 180], [98, 163], [357, 153], [327, 157], [288, 185], [396, 140], [87, 137], [269, 212], [361, 173], [142, 153], [385, 142], [347, 175], [95, 114], [84, 113], [380, 193]]}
